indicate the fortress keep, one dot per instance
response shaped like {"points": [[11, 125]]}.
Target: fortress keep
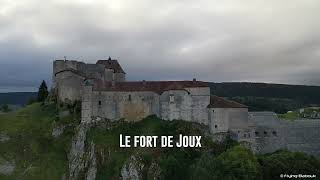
{"points": [[105, 94]]}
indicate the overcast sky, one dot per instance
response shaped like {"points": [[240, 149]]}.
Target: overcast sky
{"points": [[231, 40]]}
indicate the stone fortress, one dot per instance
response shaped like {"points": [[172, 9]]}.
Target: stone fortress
{"points": [[105, 94]]}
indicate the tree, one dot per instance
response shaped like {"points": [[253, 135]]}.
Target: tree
{"points": [[236, 163], [43, 92], [285, 162], [5, 108]]}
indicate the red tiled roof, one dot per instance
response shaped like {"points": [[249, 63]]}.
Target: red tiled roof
{"points": [[219, 102], [112, 64], [154, 86]]}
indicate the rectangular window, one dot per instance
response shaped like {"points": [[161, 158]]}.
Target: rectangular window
{"points": [[171, 98]]}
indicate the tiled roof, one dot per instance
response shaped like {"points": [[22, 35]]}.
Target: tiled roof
{"points": [[219, 102], [154, 86], [73, 71], [111, 64]]}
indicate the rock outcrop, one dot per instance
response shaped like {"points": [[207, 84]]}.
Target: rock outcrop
{"points": [[7, 167], [77, 152], [132, 168], [91, 163]]}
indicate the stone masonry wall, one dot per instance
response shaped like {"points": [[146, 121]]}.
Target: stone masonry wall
{"points": [[272, 134], [128, 105], [69, 86], [137, 105], [225, 119]]}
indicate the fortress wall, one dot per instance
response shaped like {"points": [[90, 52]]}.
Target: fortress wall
{"points": [[108, 74], [120, 77], [274, 134], [70, 64], [86, 104], [58, 65], [69, 86], [178, 108], [225, 119], [94, 71], [303, 135], [131, 106], [188, 105]]}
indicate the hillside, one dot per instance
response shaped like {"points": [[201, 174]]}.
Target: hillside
{"points": [[33, 147], [16, 98], [269, 97], [232, 89]]}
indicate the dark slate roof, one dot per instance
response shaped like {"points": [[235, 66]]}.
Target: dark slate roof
{"points": [[219, 102], [111, 64], [154, 86]]}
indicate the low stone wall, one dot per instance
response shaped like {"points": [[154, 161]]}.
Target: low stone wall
{"points": [[272, 134]]}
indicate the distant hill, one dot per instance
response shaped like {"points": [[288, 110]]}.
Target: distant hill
{"points": [[17, 98], [268, 97], [231, 89], [258, 96]]}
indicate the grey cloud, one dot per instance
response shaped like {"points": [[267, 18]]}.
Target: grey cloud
{"points": [[271, 41]]}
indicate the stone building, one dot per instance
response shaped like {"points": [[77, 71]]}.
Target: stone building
{"points": [[105, 94]]}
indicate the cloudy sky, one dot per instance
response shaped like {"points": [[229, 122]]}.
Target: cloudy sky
{"points": [[231, 40]]}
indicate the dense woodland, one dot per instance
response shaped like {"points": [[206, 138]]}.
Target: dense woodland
{"points": [[269, 97]]}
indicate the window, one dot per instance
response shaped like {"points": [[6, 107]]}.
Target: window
{"points": [[99, 103], [265, 133], [171, 98], [215, 126], [257, 133], [129, 98], [274, 133]]}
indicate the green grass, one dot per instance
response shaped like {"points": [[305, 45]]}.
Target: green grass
{"points": [[36, 153], [289, 115]]}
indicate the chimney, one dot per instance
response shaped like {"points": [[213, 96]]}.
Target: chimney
{"points": [[144, 82]]}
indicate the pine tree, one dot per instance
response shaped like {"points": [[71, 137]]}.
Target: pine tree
{"points": [[43, 91]]}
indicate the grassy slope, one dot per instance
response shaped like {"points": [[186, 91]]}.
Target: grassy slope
{"points": [[36, 153]]}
